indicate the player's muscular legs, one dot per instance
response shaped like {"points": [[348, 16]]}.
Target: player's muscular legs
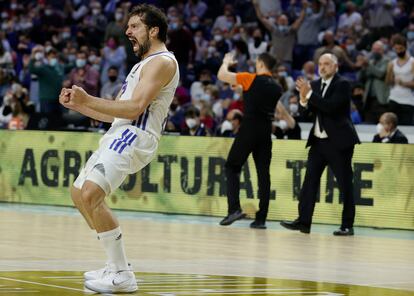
{"points": [[77, 200], [93, 201]]}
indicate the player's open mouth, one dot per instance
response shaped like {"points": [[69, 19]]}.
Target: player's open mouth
{"points": [[133, 41]]}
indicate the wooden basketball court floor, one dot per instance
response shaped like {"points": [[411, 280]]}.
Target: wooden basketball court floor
{"points": [[44, 250]]}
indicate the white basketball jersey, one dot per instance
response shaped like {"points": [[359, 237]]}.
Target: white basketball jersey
{"points": [[154, 118]]}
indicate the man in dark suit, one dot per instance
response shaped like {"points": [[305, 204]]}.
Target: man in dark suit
{"points": [[388, 131], [332, 139]]}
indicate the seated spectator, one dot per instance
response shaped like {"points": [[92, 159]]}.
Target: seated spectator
{"points": [[226, 21], [175, 116], [285, 126], [112, 87], [193, 125], [388, 131], [198, 88], [113, 54], [230, 127]]}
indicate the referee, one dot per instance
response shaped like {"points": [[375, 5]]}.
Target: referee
{"points": [[260, 95]]}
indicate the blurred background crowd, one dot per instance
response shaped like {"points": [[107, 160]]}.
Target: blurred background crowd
{"points": [[49, 44]]}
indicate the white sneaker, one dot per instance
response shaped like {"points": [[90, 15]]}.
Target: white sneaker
{"points": [[99, 273], [114, 282]]}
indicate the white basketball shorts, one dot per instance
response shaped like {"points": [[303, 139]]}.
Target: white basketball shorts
{"points": [[123, 150]]}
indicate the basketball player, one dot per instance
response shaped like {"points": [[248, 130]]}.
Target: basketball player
{"points": [[138, 116]]}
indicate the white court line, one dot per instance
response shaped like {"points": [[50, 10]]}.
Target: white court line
{"points": [[40, 284]]}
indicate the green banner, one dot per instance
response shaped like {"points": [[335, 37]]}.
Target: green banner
{"points": [[187, 177]]}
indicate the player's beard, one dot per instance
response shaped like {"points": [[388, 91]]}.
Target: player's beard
{"points": [[143, 48]]}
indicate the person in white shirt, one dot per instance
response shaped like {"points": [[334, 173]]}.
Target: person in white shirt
{"points": [[138, 116], [400, 75]]}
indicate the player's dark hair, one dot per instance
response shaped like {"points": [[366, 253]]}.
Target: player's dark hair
{"points": [[268, 60], [152, 17]]}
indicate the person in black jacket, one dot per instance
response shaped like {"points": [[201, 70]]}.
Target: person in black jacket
{"points": [[332, 139], [388, 131], [260, 94]]}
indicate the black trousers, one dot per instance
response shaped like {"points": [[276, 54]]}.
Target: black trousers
{"points": [[256, 139], [321, 154]]}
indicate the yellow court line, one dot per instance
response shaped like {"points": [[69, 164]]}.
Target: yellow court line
{"points": [[40, 284]]}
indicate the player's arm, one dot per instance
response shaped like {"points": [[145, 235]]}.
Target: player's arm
{"points": [[155, 74], [64, 98]]}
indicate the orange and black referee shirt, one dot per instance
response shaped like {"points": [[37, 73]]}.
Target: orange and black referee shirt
{"points": [[260, 95]]}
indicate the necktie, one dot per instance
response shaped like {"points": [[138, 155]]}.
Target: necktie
{"points": [[320, 115]]}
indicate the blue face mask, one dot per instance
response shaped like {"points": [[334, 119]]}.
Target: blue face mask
{"points": [[53, 62], [283, 29], [173, 26], [410, 35], [309, 11], [194, 25], [80, 63]]}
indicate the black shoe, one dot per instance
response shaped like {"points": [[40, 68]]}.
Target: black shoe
{"points": [[296, 225], [237, 215], [258, 225], [344, 231]]}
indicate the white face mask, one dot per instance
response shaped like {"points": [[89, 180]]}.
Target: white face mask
{"points": [[293, 108], [380, 128], [191, 123], [38, 56]]}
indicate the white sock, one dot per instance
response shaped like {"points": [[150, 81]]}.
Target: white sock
{"points": [[114, 248]]}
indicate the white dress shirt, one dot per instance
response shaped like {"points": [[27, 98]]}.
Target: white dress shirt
{"points": [[317, 133]]}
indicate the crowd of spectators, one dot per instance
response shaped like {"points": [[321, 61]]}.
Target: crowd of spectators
{"points": [[49, 44]]}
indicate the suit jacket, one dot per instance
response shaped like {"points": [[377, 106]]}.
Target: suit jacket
{"points": [[334, 110], [397, 138]]}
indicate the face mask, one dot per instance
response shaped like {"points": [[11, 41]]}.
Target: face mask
{"points": [[236, 96], [119, 16], [173, 26], [96, 67], [206, 97], [350, 47], [38, 56], [48, 12], [92, 58], [65, 35], [173, 107], [401, 54], [283, 29], [410, 35], [112, 78], [257, 41], [96, 11], [376, 56], [380, 128], [236, 37], [71, 58], [53, 62], [283, 74], [211, 50], [47, 48], [293, 108], [4, 15], [205, 82], [80, 63], [13, 6], [309, 11], [218, 38], [191, 123], [194, 25]]}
